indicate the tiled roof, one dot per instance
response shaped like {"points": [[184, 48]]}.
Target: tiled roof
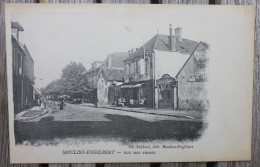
{"points": [[161, 42], [117, 59], [27, 52], [17, 26], [202, 46], [113, 74], [102, 66]]}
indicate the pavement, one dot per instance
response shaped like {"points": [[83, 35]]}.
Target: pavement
{"points": [[84, 123], [186, 114], [33, 114], [36, 113]]}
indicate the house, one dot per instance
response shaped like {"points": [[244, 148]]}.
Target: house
{"points": [[107, 79], [193, 78], [91, 76], [151, 70], [113, 61], [23, 72]]}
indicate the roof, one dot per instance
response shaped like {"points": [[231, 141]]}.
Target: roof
{"points": [[17, 26], [161, 42], [117, 59], [113, 74], [200, 47], [102, 66], [20, 45], [132, 86], [27, 52]]}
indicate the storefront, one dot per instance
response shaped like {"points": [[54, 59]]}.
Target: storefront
{"points": [[168, 92]]}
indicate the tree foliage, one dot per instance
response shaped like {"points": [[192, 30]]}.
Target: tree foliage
{"points": [[72, 70], [73, 82]]}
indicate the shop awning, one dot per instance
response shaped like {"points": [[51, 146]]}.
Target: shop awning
{"points": [[131, 86]]}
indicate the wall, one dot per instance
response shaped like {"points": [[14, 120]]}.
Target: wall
{"points": [[144, 69], [191, 94], [28, 66], [93, 77], [17, 76], [170, 60], [102, 89]]}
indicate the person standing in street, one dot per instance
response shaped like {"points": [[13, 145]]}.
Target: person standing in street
{"points": [[43, 103], [61, 100]]}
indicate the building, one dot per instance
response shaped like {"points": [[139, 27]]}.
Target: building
{"points": [[107, 79], [151, 70], [92, 76], [192, 80], [23, 72], [113, 61]]}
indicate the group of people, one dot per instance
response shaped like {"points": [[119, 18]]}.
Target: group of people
{"points": [[121, 102]]}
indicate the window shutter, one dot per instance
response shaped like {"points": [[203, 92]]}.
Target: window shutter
{"points": [[142, 66]]}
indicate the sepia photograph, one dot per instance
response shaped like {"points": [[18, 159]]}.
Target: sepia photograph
{"points": [[119, 80]]}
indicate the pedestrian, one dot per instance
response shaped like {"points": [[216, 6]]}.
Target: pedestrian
{"points": [[131, 102], [43, 103], [61, 100]]}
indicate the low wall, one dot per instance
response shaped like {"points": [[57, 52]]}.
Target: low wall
{"points": [[193, 104]]}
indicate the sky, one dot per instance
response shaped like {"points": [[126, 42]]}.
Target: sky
{"points": [[55, 38]]}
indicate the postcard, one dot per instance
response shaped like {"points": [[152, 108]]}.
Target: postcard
{"points": [[99, 83]]}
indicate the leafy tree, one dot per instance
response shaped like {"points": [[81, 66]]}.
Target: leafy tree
{"points": [[73, 82], [72, 70], [56, 87], [78, 86]]}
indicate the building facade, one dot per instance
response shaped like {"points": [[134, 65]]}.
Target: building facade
{"points": [[108, 78], [193, 80], [113, 61], [23, 72], [151, 70]]}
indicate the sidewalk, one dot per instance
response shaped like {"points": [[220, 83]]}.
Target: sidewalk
{"points": [[187, 114], [32, 114]]}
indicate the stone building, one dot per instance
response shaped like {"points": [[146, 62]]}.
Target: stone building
{"points": [[113, 61], [108, 78], [92, 77], [192, 80], [151, 70], [23, 72]]}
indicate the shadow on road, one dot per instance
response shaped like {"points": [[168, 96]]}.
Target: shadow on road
{"points": [[125, 128]]}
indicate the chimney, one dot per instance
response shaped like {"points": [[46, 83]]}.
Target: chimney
{"points": [[178, 33], [16, 27], [172, 40]]}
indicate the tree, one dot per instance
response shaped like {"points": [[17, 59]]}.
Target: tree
{"points": [[56, 87], [73, 82], [72, 70], [78, 86]]}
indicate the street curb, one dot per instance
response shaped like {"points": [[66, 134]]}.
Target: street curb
{"points": [[25, 119], [176, 116]]}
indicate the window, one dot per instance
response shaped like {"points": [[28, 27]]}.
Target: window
{"points": [[137, 66], [129, 72], [127, 68], [147, 65], [151, 64], [134, 67]]}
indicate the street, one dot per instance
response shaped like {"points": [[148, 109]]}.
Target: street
{"points": [[86, 122]]}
